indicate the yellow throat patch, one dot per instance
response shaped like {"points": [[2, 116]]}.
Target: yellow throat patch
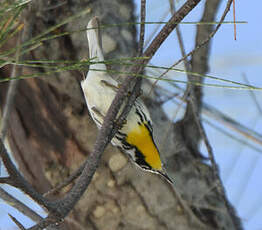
{"points": [[141, 138]]}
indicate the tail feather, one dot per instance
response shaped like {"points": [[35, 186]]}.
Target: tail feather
{"points": [[94, 43]]}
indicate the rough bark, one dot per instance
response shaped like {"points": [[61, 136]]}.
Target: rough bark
{"points": [[51, 133]]}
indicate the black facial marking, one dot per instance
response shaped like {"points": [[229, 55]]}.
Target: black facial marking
{"points": [[121, 134], [140, 160], [139, 114]]}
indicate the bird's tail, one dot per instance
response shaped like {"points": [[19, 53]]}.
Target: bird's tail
{"points": [[95, 43]]}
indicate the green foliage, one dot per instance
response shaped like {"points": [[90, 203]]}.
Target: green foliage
{"points": [[11, 24]]}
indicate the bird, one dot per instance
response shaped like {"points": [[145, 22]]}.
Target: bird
{"points": [[135, 136]]}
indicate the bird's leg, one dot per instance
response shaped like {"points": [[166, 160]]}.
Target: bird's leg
{"points": [[109, 85], [98, 114]]}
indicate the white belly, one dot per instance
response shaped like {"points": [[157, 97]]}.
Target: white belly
{"points": [[100, 96], [97, 95]]}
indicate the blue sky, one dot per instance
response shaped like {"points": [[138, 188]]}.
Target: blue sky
{"points": [[240, 166]]}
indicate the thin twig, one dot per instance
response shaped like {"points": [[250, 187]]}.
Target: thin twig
{"points": [[183, 203], [18, 205], [20, 181], [211, 35], [230, 123], [7, 180], [209, 207], [18, 224], [51, 222], [215, 170], [206, 110], [158, 25], [67, 181], [252, 94], [188, 210], [142, 28], [180, 39], [186, 66], [168, 28], [194, 106], [240, 140]]}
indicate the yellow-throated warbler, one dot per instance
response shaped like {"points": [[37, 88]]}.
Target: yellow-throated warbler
{"points": [[135, 137]]}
